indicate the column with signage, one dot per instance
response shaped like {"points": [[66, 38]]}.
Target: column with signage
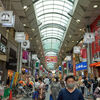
{"points": [[3, 58], [74, 66]]}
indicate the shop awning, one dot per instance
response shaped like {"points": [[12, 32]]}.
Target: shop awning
{"points": [[95, 64]]}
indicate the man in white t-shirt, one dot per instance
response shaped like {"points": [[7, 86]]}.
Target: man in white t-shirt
{"points": [[37, 84], [47, 82]]}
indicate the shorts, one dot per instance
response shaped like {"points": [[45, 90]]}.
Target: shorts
{"points": [[35, 95]]}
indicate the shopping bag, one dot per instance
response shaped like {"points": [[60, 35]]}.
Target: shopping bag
{"points": [[51, 97]]}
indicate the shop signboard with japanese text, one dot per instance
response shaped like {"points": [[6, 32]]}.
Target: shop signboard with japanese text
{"points": [[51, 59], [81, 66], [6, 16]]}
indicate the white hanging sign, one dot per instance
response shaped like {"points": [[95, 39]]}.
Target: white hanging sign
{"points": [[25, 44], [89, 38], [77, 49], [34, 57], [6, 17], [24, 60], [9, 24], [20, 37], [68, 58]]}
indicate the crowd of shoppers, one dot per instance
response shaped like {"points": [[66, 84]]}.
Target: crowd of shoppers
{"points": [[70, 89]]}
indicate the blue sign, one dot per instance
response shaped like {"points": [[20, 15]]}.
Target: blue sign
{"points": [[60, 68], [81, 66]]}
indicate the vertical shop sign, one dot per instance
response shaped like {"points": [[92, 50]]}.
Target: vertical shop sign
{"points": [[83, 54], [95, 27], [3, 44], [74, 65], [70, 66], [25, 56]]}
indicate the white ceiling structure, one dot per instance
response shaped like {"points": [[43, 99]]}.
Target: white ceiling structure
{"points": [[48, 29], [54, 18]]}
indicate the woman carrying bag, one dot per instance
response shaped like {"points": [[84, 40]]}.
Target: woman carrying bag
{"points": [[97, 92]]}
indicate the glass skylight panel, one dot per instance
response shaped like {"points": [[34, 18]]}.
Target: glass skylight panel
{"points": [[53, 14]]}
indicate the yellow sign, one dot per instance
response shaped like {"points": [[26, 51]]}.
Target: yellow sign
{"points": [[16, 78]]}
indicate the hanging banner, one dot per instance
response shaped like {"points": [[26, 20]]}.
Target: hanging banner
{"points": [[89, 38], [16, 78], [25, 56], [3, 44], [76, 49], [12, 80], [83, 55], [74, 66], [81, 66], [51, 59], [70, 66]]}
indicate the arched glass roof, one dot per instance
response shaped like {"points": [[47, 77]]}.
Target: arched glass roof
{"points": [[53, 14]]}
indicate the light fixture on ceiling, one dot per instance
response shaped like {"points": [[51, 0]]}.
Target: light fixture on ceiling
{"points": [[80, 29], [95, 6], [24, 25], [33, 29], [72, 41], [7, 30], [25, 7], [62, 50], [78, 20], [37, 41], [65, 45], [70, 36], [30, 38], [77, 41]]}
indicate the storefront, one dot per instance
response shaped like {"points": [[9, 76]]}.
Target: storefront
{"points": [[3, 58], [12, 62], [95, 28], [96, 69]]}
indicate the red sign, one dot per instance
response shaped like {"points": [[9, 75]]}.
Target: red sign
{"points": [[51, 58], [74, 66], [95, 27], [83, 53]]}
